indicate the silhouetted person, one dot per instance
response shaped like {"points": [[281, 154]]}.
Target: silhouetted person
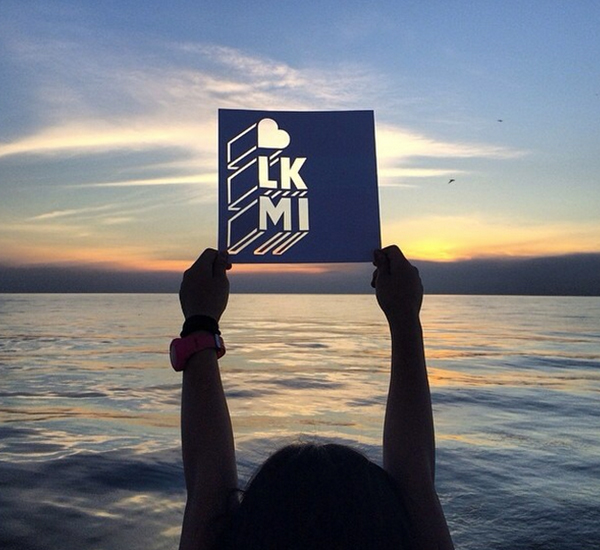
{"points": [[309, 496]]}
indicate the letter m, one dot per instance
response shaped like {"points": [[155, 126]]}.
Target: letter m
{"points": [[266, 208]]}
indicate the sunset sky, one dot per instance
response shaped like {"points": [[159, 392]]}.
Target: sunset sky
{"points": [[108, 110]]}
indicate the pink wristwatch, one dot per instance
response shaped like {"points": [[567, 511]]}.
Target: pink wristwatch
{"points": [[183, 348]]}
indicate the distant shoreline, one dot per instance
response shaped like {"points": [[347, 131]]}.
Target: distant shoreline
{"points": [[161, 293], [573, 275]]}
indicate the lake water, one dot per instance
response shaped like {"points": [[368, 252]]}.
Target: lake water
{"points": [[89, 410]]}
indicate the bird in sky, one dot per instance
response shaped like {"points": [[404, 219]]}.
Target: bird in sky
{"points": [[450, 181]]}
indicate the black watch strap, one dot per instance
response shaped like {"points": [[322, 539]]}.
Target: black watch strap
{"points": [[199, 322]]}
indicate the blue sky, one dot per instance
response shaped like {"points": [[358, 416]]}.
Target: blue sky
{"points": [[108, 120]]}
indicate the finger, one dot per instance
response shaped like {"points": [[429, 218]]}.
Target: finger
{"points": [[374, 278], [396, 258], [380, 260], [225, 255], [205, 261], [376, 254], [221, 264]]}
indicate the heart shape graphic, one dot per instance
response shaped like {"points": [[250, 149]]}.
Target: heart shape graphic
{"points": [[271, 136]]}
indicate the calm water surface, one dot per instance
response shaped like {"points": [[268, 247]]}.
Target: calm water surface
{"points": [[89, 410]]}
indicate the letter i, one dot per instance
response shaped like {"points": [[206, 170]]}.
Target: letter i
{"points": [[303, 214]]}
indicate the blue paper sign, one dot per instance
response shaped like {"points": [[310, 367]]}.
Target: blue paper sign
{"points": [[298, 186]]}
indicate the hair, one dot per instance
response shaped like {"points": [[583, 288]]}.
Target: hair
{"points": [[319, 496]]}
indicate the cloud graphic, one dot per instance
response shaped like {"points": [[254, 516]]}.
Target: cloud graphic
{"points": [[271, 136]]}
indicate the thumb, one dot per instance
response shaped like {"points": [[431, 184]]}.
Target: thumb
{"points": [[380, 260], [221, 264]]}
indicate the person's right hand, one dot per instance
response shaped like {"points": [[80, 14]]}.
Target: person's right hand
{"points": [[397, 285], [205, 287]]}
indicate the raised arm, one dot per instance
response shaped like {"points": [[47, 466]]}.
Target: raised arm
{"points": [[206, 432], [408, 434]]}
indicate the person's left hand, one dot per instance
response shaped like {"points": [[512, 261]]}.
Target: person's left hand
{"points": [[205, 286]]}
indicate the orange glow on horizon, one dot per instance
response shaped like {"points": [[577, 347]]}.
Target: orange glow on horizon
{"points": [[140, 259], [180, 266], [432, 238], [459, 238], [281, 268], [120, 260]]}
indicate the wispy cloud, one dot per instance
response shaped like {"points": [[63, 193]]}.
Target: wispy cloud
{"points": [[286, 87], [210, 179], [174, 106], [99, 136], [396, 177], [87, 216], [73, 212], [394, 143]]}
